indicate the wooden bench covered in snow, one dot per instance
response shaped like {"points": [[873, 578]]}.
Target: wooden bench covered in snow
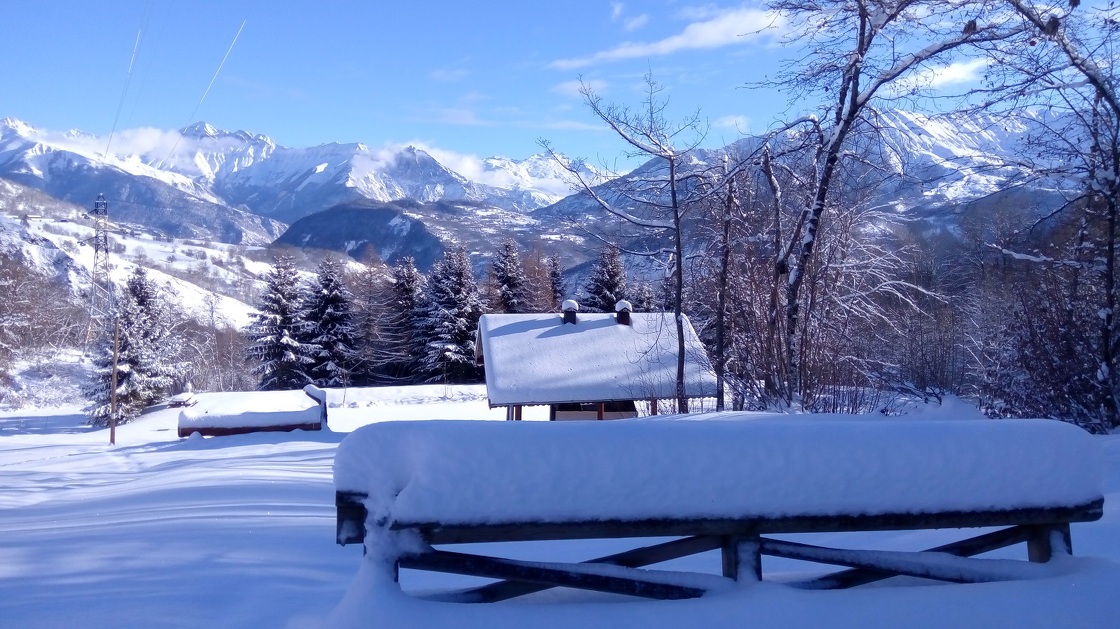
{"points": [[723, 483], [223, 414]]}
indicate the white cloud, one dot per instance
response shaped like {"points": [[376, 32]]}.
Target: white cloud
{"points": [[741, 124], [635, 23], [145, 143], [629, 24], [726, 28], [936, 78], [957, 73], [572, 88]]}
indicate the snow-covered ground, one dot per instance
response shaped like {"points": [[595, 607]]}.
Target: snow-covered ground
{"points": [[239, 532]]}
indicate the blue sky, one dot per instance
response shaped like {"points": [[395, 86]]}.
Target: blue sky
{"points": [[460, 79], [472, 78]]}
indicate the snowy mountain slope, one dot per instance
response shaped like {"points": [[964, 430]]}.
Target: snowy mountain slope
{"points": [[244, 170], [934, 170], [202, 182], [211, 281], [946, 164], [537, 180], [298, 182], [423, 231], [205, 153], [361, 229], [71, 168], [21, 243]]}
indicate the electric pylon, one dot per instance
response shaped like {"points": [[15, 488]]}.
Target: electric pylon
{"points": [[101, 293]]}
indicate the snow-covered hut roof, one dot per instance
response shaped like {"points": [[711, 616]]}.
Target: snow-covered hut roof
{"points": [[537, 359]]}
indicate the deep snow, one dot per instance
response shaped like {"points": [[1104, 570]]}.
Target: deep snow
{"points": [[239, 532]]}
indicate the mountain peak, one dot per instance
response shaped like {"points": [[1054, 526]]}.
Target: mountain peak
{"points": [[201, 129], [20, 127]]}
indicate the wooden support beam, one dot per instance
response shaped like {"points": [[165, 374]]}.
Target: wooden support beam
{"points": [[550, 574], [939, 566], [964, 548], [601, 410], [636, 558], [653, 406]]}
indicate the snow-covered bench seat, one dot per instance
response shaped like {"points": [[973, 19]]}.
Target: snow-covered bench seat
{"points": [[221, 414], [717, 483]]}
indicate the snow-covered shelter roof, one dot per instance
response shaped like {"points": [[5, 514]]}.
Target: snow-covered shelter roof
{"points": [[537, 359]]}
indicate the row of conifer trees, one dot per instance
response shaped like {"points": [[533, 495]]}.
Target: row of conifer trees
{"points": [[407, 327]]}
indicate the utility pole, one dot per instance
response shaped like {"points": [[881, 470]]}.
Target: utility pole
{"points": [[113, 411]]}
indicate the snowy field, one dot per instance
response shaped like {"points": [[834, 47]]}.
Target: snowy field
{"points": [[239, 532]]}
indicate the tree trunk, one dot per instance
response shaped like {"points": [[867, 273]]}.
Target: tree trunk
{"points": [[678, 270], [721, 308]]}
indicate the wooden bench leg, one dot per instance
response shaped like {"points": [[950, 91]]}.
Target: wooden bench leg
{"points": [[1047, 541], [350, 517], [742, 558]]}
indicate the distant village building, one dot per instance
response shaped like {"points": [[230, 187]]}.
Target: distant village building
{"points": [[588, 366]]}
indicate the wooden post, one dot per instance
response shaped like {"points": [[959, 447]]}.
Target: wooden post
{"points": [[742, 558], [602, 409], [1047, 541], [653, 406], [517, 413]]}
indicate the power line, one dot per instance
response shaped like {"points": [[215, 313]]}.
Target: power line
{"points": [[128, 75], [207, 91]]}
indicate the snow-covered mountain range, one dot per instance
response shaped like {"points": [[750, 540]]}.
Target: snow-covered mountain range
{"points": [[930, 171], [255, 182], [237, 187]]}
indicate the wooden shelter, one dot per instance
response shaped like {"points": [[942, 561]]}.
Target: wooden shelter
{"points": [[588, 366]]}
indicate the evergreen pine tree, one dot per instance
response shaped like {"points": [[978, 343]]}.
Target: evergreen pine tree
{"points": [[369, 288], [388, 309], [509, 277], [408, 307], [136, 350], [275, 331], [645, 299], [607, 283], [453, 309], [330, 322], [558, 286]]}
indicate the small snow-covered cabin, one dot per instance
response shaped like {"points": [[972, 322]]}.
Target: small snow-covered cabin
{"points": [[588, 366]]}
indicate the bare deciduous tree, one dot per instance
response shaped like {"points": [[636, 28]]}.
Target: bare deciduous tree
{"points": [[858, 51], [656, 199], [1059, 74]]}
